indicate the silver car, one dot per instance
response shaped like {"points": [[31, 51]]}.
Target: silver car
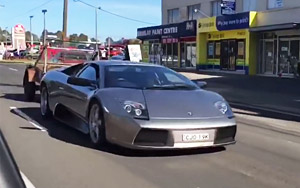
{"points": [[135, 105]]}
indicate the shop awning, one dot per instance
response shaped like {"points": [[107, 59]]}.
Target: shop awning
{"points": [[286, 26]]}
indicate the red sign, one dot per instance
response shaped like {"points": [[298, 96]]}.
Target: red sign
{"points": [[170, 40], [19, 29]]}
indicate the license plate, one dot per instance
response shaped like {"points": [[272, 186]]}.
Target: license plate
{"points": [[195, 137]]}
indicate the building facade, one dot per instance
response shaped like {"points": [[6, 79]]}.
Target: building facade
{"points": [[263, 36]]}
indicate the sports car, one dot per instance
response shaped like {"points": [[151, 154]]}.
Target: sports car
{"points": [[137, 105]]}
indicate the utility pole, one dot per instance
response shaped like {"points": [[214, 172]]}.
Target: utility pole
{"points": [[45, 34], [31, 36], [65, 20]]}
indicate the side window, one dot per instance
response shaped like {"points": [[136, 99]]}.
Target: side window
{"points": [[90, 73]]}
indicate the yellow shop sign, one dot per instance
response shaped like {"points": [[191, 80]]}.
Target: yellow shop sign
{"points": [[207, 25], [241, 34]]}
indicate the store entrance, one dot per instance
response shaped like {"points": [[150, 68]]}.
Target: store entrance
{"points": [[288, 56], [228, 55]]}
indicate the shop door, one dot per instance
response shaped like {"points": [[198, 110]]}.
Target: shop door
{"points": [[228, 55], [284, 50], [224, 61], [288, 56], [268, 58], [232, 55]]}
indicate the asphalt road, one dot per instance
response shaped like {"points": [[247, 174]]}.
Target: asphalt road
{"points": [[50, 154]]}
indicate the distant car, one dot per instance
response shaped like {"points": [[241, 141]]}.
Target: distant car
{"points": [[118, 57], [140, 106]]}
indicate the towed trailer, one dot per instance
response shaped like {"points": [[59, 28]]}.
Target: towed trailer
{"points": [[51, 58]]}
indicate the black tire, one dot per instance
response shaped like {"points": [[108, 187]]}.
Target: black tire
{"points": [[101, 141], [44, 104], [29, 90]]}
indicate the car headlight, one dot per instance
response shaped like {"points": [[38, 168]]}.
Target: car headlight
{"points": [[137, 110], [224, 108]]}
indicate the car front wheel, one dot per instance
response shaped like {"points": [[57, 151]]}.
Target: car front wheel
{"points": [[96, 126], [45, 110]]}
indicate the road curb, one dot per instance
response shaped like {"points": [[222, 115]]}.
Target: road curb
{"points": [[260, 108]]}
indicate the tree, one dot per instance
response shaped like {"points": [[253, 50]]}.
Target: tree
{"points": [[93, 39], [42, 36], [109, 40], [74, 37], [82, 37], [59, 35]]}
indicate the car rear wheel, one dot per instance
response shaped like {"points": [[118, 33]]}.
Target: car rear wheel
{"points": [[96, 126], [45, 110], [29, 91]]}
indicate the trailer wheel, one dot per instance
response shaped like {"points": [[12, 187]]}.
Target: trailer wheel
{"points": [[29, 90]]}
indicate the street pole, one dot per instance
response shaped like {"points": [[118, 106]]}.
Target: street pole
{"points": [[45, 47], [6, 37], [65, 20], [31, 36], [44, 11], [96, 32]]}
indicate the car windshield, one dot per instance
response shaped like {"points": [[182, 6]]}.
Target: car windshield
{"points": [[146, 77]]}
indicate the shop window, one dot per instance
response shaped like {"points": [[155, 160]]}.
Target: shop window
{"points": [[210, 50], [218, 50], [272, 4], [194, 12], [249, 5], [169, 55], [175, 54], [173, 15], [241, 50], [216, 8]]}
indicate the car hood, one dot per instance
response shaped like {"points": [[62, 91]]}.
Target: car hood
{"points": [[166, 104], [195, 104]]}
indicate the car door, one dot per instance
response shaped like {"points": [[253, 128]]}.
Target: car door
{"points": [[79, 95]]}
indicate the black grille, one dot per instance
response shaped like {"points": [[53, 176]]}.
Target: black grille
{"points": [[225, 135], [150, 137]]}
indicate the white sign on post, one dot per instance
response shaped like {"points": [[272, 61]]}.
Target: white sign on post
{"points": [[135, 52]]}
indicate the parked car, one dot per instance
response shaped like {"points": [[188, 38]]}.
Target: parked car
{"points": [[140, 106], [118, 57]]}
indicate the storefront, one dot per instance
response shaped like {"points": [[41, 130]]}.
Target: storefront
{"points": [[279, 49], [172, 45], [225, 43]]}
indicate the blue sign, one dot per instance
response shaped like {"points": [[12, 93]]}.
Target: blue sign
{"points": [[178, 30], [232, 22], [228, 7]]}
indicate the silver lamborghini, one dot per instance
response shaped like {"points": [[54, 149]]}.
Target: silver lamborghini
{"points": [[135, 105]]}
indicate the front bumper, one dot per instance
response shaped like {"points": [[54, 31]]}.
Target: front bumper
{"points": [[168, 134]]}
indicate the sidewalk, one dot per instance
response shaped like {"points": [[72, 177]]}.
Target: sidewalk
{"points": [[18, 61], [274, 94]]}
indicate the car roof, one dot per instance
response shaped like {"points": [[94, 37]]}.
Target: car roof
{"points": [[120, 62]]}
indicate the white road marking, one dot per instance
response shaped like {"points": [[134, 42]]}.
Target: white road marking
{"points": [[31, 121], [27, 182], [297, 100], [13, 69]]}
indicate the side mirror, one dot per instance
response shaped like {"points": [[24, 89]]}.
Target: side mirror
{"points": [[200, 84], [81, 82]]}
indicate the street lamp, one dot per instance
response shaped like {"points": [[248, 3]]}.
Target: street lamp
{"points": [[44, 12], [31, 36], [6, 29], [201, 12], [96, 24]]}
